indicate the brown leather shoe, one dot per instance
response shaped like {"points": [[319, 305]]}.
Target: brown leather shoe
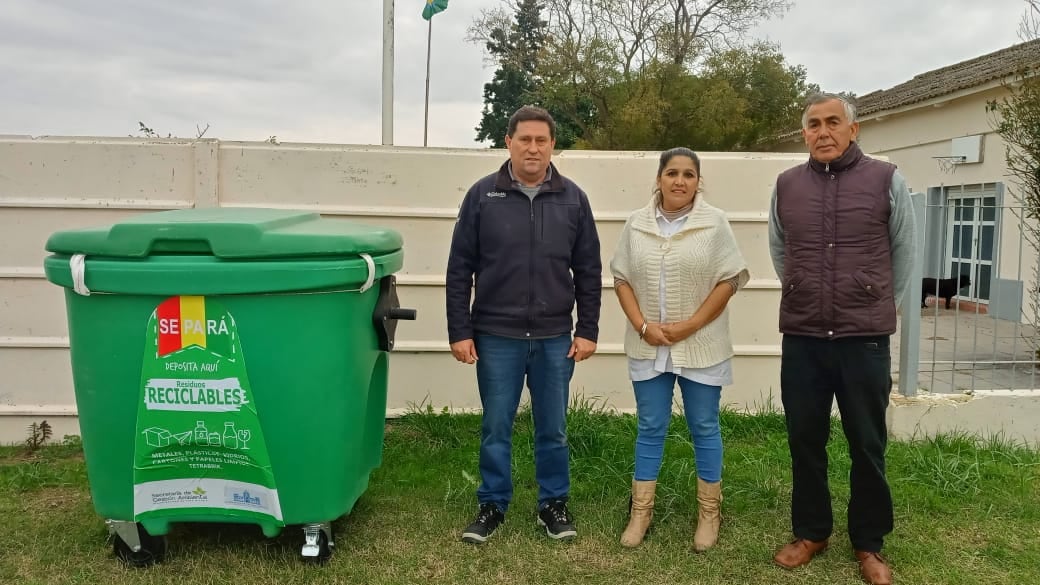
{"points": [[798, 552], [874, 568]]}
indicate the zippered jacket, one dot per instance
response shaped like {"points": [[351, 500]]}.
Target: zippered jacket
{"points": [[524, 261], [837, 255]]}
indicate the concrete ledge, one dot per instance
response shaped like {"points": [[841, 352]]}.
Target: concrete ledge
{"points": [[14, 428], [1011, 414]]}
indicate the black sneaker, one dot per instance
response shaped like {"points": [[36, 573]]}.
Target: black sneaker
{"points": [[487, 520], [557, 520]]}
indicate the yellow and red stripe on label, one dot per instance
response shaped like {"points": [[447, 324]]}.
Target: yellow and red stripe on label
{"points": [[182, 323]]}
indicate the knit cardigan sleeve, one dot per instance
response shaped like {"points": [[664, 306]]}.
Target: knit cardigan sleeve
{"points": [[731, 264], [620, 264]]}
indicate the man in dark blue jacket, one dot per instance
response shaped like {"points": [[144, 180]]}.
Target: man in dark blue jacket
{"points": [[526, 241]]}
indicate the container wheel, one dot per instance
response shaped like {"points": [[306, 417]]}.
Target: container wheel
{"points": [[153, 549], [317, 547]]}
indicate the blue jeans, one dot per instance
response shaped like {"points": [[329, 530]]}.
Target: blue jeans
{"points": [[654, 411], [501, 368]]}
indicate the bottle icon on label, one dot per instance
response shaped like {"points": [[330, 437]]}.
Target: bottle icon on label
{"points": [[201, 434], [230, 436]]}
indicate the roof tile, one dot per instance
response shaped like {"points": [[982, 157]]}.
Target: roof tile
{"points": [[963, 75]]}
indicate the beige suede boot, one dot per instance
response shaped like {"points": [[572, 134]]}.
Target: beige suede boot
{"points": [[641, 514], [709, 514]]}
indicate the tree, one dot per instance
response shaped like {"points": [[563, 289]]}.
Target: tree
{"points": [[617, 58], [741, 96], [1016, 119], [771, 92], [620, 74], [625, 35], [1029, 27], [516, 45]]}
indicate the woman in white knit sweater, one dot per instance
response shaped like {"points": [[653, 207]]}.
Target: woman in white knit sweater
{"points": [[676, 266]]}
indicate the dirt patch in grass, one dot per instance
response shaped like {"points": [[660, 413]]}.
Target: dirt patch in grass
{"points": [[590, 554], [23, 457], [434, 566], [19, 567], [406, 431], [398, 430], [49, 499], [18, 458]]}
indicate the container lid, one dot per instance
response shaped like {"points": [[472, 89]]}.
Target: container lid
{"points": [[199, 274], [228, 233]]}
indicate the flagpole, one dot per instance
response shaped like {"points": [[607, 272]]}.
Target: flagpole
{"points": [[426, 114], [388, 72]]}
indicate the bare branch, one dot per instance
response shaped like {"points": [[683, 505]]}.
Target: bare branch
{"points": [[1029, 27], [609, 59], [638, 32], [482, 30]]}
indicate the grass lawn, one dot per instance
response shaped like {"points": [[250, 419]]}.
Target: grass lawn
{"points": [[965, 514]]}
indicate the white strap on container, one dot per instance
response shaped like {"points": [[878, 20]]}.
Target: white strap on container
{"points": [[78, 266], [371, 273]]}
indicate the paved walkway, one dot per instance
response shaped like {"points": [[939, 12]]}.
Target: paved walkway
{"points": [[962, 351]]}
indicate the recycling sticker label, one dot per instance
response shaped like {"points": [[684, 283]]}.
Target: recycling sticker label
{"points": [[199, 446]]}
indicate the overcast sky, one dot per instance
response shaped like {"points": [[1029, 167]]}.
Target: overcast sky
{"points": [[310, 70]]}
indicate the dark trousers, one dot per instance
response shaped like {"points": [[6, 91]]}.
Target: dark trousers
{"points": [[857, 372]]}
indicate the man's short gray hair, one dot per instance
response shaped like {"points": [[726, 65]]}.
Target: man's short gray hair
{"points": [[819, 98]]}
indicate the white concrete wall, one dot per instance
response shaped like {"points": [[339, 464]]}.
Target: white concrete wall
{"points": [[54, 184], [1012, 415]]}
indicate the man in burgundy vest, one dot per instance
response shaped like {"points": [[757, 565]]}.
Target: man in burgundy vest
{"points": [[841, 236]]}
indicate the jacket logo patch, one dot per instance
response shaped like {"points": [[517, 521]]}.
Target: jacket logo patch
{"points": [[496, 194]]}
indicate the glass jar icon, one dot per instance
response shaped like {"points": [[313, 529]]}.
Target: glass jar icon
{"points": [[201, 434], [230, 436]]}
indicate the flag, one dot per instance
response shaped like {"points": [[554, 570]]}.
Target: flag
{"points": [[433, 7]]}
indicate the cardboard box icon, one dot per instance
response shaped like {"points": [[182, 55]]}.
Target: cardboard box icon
{"points": [[157, 437]]}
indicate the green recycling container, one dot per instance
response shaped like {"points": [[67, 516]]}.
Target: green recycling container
{"points": [[229, 365]]}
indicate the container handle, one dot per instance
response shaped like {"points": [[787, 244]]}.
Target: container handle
{"points": [[371, 273], [78, 267], [387, 312]]}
